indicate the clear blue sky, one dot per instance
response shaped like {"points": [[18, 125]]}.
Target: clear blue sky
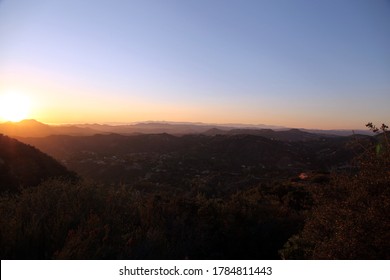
{"points": [[313, 64]]}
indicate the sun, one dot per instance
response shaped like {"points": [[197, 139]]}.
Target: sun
{"points": [[14, 106]]}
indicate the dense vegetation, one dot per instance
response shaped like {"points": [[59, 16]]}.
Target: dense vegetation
{"points": [[84, 220], [341, 215], [350, 219]]}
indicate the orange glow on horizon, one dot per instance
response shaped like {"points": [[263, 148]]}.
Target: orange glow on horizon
{"points": [[55, 105]]}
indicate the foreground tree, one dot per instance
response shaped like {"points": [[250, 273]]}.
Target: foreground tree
{"points": [[351, 219]]}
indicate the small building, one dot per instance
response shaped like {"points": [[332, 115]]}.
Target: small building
{"points": [[303, 176]]}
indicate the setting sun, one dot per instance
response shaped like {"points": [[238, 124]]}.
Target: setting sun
{"points": [[14, 107]]}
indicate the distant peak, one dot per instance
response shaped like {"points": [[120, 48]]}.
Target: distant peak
{"points": [[22, 121], [30, 122]]}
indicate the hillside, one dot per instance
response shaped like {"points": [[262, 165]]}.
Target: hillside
{"points": [[291, 135], [22, 165], [173, 159]]}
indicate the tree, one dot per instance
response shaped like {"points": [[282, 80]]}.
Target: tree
{"points": [[351, 217]]}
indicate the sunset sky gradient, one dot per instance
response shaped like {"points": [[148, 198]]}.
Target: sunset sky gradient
{"points": [[310, 64]]}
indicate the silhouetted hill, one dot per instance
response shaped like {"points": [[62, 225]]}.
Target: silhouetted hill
{"points": [[150, 128], [339, 132], [281, 135], [24, 128], [215, 131], [22, 165]]}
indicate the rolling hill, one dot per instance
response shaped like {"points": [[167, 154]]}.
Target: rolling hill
{"points": [[22, 165]]}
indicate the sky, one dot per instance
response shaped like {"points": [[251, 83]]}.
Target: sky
{"points": [[306, 64]]}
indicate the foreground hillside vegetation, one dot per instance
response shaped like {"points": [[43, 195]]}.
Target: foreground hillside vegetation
{"points": [[83, 221], [23, 165], [338, 215], [350, 219]]}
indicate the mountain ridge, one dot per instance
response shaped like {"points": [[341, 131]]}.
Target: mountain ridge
{"points": [[33, 128]]}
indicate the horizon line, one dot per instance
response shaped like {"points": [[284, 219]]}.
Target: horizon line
{"points": [[196, 123]]}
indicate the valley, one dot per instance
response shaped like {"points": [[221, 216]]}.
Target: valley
{"points": [[177, 160], [219, 194]]}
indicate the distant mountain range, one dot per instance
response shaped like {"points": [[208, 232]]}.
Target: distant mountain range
{"points": [[33, 128]]}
